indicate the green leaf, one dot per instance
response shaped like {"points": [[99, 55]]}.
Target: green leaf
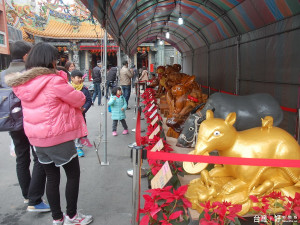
{"points": [[201, 215], [237, 221], [180, 174], [278, 205]]}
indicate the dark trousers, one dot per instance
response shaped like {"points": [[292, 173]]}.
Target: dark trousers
{"points": [[97, 91], [32, 186], [72, 171], [126, 89], [115, 124], [109, 86]]}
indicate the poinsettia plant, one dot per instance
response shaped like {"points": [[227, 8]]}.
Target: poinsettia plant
{"points": [[276, 208], [219, 213], [166, 206]]}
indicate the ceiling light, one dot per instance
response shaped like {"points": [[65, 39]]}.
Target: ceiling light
{"points": [[167, 35], [180, 20]]}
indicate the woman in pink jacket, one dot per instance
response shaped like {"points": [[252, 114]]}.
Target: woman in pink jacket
{"points": [[52, 120]]}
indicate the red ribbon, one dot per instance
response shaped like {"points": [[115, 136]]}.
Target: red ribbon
{"points": [[223, 160], [193, 98]]}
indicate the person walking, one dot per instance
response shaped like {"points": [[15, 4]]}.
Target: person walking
{"points": [[135, 75], [69, 66], [118, 106], [125, 81], [145, 75], [32, 185], [111, 79], [97, 79], [52, 120]]}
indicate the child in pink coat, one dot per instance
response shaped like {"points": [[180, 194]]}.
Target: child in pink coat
{"points": [[52, 120]]}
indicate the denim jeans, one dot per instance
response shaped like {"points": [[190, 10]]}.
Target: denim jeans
{"points": [[97, 91], [109, 86], [126, 89], [32, 186]]}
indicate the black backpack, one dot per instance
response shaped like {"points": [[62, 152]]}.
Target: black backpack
{"points": [[11, 115]]}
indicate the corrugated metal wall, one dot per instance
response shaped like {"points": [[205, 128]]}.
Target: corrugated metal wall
{"points": [[268, 62]]}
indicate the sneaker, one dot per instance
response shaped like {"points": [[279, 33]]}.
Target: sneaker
{"points": [[58, 222], [79, 219], [86, 142], [128, 108], [132, 145], [114, 133], [26, 201], [80, 152], [125, 132], [42, 207]]}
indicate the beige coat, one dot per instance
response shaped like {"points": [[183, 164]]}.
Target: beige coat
{"points": [[144, 76], [125, 76]]}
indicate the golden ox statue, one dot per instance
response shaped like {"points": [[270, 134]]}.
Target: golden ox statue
{"points": [[234, 183]]}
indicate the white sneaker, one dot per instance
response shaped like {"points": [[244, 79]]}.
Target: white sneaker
{"points": [[58, 222], [78, 219]]}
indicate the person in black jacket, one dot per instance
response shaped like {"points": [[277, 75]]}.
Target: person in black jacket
{"points": [[111, 79], [32, 184], [96, 74], [77, 83]]}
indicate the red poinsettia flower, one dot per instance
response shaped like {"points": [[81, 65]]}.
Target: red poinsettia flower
{"points": [[206, 205], [203, 221], [165, 222], [145, 220], [253, 198]]}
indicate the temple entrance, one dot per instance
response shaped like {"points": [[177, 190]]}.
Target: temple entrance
{"points": [[142, 59], [62, 56], [97, 55]]}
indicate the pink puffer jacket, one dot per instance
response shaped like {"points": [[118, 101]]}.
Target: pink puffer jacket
{"points": [[51, 107]]}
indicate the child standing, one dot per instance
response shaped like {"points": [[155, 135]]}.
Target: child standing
{"points": [[118, 106], [77, 83]]}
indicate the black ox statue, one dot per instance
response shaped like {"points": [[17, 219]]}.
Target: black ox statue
{"points": [[249, 109]]}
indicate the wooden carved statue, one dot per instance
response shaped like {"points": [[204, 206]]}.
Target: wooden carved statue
{"points": [[182, 98], [160, 71], [234, 183]]}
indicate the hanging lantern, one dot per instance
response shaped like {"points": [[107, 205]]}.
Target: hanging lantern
{"points": [[59, 49], [108, 53], [138, 49], [148, 48], [144, 49], [65, 48]]}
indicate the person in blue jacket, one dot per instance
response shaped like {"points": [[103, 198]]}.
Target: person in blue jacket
{"points": [[118, 105], [77, 83]]}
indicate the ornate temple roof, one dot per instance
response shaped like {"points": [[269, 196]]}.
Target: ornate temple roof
{"points": [[62, 30], [55, 21]]}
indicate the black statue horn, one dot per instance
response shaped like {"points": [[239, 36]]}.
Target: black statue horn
{"points": [[194, 110]]}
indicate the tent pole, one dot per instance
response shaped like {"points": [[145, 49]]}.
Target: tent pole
{"points": [[105, 162], [237, 76], [208, 70]]}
